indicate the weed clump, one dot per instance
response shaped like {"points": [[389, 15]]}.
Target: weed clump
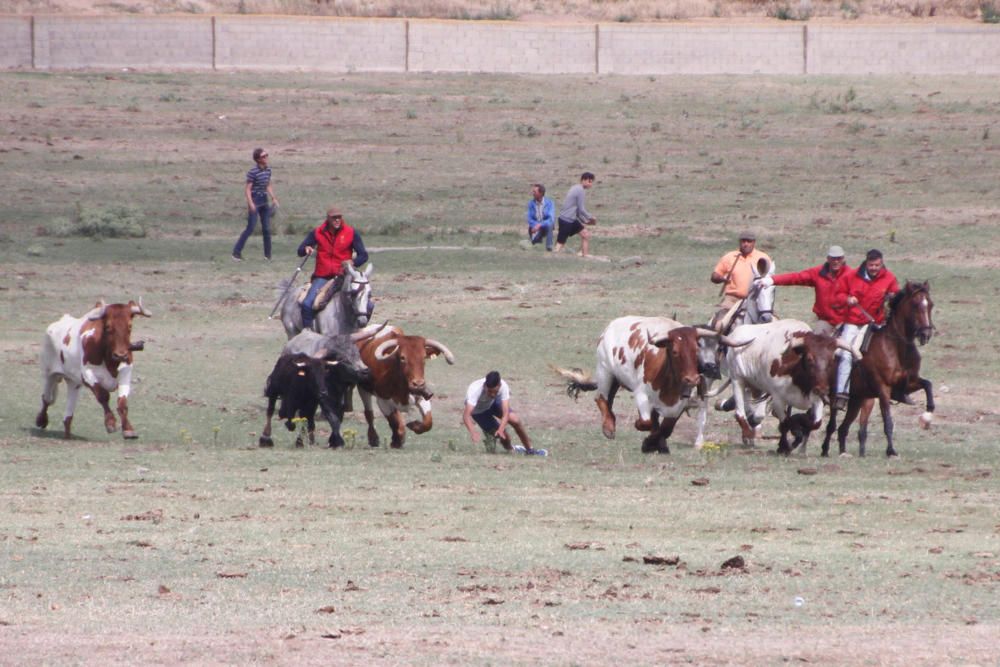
{"points": [[98, 222], [990, 11]]}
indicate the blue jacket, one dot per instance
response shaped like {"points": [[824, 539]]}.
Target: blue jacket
{"points": [[548, 213]]}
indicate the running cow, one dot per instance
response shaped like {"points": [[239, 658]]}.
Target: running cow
{"points": [[656, 359], [786, 360], [93, 351], [397, 365]]}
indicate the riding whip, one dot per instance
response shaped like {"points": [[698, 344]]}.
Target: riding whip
{"points": [[291, 281]]}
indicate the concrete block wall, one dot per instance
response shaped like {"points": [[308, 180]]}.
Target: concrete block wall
{"points": [[394, 45], [330, 45], [484, 46], [945, 49], [686, 49], [72, 42], [15, 35]]}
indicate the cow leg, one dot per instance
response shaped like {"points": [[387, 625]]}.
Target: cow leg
{"points": [[398, 428], [265, 437], [739, 395], [72, 395], [427, 419], [332, 411], [311, 428], [127, 431], [605, 403], [366, 400], [48, 398], [657, 440], [103, 397], [648, 419]]}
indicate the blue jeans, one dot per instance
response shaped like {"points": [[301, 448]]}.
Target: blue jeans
{"points": [[264, 213], [544, 230], [307, 304]]}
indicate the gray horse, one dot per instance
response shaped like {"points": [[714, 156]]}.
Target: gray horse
{"points": [[347, 311]]}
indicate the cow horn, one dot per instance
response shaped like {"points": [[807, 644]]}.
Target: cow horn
{"points": [[140, 310], [448, 356], [300, 364], [847, 348], [707, 333], [332, 362], [715, 392], [659, 338], [97, 312], [729, 341], [367, 333], [380, 351]]}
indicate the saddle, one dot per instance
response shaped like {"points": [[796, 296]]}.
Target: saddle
{"points": [[325, 293]]}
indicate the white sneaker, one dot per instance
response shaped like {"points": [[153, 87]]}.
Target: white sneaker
{"points": [[519, 449]]}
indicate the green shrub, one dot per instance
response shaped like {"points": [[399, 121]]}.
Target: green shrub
{"points": [[990, 11], [117, 221]]}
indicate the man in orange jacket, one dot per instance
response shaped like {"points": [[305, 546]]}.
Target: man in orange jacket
{"points": [[334, 243], [823, 279], [861, 296]]}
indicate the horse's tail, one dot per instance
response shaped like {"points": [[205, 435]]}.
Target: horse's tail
{"points": [[577, 380]]}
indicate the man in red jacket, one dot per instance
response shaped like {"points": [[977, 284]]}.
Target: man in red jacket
{"points": [[334, 243], [823, 279], [861, 296]]}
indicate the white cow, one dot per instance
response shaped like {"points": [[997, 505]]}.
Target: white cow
{"points": [[789, 362], [93, 351]]}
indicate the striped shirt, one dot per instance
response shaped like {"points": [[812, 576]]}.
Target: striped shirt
{"points": [[260, 178]]}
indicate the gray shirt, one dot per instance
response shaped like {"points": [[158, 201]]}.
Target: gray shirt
{"points": [[573, 209]]}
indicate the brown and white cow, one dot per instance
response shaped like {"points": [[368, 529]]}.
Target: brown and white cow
{"points": [[398, 384], [793, 365], [93, 351], [656, 359]]}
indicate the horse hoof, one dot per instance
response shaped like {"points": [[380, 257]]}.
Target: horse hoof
{"points": [[845, 455], [130, 435], [608, 433], [265, 441], [41, 421], [299, 443], [111, 428]]}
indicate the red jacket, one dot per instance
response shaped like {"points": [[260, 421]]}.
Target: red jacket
{"points": [[332, 250], [869, 293], [825, 283]]}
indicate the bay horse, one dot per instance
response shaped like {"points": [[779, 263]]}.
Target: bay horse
{"points": [[889, 369]]}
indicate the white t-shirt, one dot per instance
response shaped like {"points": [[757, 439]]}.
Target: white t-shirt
{"points": [[476, 395]]}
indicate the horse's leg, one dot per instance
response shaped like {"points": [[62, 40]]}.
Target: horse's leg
{"points": [[886, 409], [366, 400], [866, 410], [831, 426], [700, 420], [853, 407], [928, 416]]}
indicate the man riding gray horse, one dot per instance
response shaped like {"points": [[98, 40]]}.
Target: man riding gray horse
{"points": [[339, 253]]}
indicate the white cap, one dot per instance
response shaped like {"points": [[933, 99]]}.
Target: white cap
{"points": [[835, 251]]}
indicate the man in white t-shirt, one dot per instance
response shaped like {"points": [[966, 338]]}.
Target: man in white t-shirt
{"points": [[487, 404]]}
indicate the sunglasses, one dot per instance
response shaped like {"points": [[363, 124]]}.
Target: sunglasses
{"points": [[334, 217]]}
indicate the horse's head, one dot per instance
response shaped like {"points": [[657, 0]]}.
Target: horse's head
{"points": [[913, 306], [760, 298], [358, 289]]}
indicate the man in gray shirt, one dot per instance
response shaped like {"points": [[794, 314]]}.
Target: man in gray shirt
{"points": [[573, 216]]}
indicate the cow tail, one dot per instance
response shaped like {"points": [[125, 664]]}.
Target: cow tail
{"points": [[576, 381]]}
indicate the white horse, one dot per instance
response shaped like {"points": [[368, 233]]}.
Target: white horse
{"points": [[347, 311], [757, 307]]}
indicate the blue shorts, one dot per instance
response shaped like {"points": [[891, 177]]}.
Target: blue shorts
{"points": [[489, 419]]}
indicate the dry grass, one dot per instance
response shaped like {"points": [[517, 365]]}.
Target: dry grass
{"points": [[527, 10]]}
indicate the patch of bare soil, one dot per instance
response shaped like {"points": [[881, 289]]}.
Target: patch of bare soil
{"points": [[653, 640]]}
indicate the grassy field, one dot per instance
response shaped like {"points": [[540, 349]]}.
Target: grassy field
{"points": [[193, 545]]}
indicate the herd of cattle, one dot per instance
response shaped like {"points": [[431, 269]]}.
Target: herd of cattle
{"points": [[668, 367]]}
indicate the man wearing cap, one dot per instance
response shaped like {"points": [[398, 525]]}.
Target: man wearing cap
{"points": [[860, 295], [734, 271], [487, 405], [257, 190], [823, 279], [334, 243]]}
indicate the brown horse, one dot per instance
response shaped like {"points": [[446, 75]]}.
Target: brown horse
{"points": [[890, 368]]}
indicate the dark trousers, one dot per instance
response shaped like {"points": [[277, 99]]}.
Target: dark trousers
{"points": [[264, 213]]}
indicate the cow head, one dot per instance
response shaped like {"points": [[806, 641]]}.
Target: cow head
{"points": [[341, 354], [810, 361], [708, 353], [111, 341], [409, 354], [681, 348]]}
